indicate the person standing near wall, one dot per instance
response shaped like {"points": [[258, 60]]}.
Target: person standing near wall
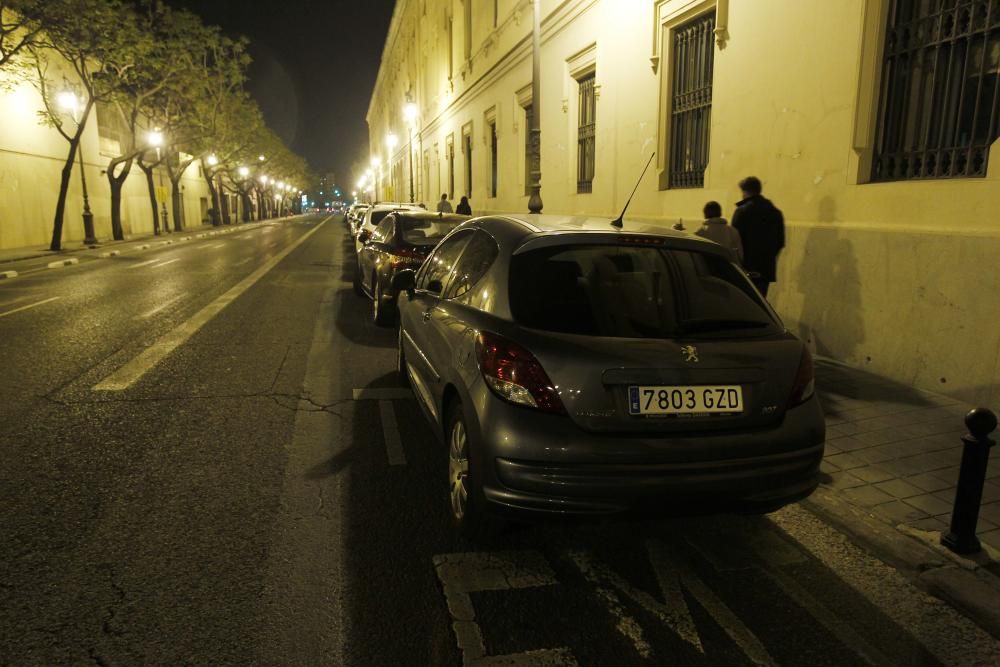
{"points": [[444, 206], [717, 229], [463, 207], [762, 230]]}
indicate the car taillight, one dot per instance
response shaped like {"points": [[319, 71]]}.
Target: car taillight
{"points": [[805, 380], [513, 374], [406, 257]]}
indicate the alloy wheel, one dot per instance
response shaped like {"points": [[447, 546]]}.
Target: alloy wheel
{"points": [[458, 469]]}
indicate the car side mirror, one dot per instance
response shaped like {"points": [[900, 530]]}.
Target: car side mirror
{"points": [[364, 236], [404, 280], [434, 286]]}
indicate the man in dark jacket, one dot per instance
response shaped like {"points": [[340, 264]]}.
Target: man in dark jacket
{"points": [[762, 230]]}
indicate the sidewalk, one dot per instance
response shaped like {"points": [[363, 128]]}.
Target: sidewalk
{"points": [[889, 477], [895, 450]]}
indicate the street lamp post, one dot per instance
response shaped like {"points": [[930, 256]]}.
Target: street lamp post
{"points": [[410, 115], [391, 141], [535, 200], [155, 139], [69, 102]]}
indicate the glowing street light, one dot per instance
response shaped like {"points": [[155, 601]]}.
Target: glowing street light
{"points": [[243, 172], [155, 138], [260, 158], [391, 141], [212, 160], [410, 112], [68, 101], [263, 179], [376, 162]]}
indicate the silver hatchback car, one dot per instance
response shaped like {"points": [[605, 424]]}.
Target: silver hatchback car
{"points": [[574, 368]]}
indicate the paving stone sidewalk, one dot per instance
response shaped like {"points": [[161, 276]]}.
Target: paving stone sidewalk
{"points": [[896, 450]]}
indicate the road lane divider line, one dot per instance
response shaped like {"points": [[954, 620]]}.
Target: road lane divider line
{"points": [[162, 306], [146, 263], [30, 305], [390, 431], [8, 274], [58, 264], [169, 261], [242, 262], [215, 245], [128, 374]]}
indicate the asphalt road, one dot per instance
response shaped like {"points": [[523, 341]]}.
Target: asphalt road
{"points": [[206, 459]]}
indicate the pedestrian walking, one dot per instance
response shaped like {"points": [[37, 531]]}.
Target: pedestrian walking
{"points": [[444, 206], [463, 207], [717, 229], [762, 230]]}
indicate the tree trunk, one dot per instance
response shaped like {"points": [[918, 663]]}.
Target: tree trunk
{"points": [[117, 183], [214, 192], [67, 172], [247, 206], [177, 203], [152, 197], [224, 205]]}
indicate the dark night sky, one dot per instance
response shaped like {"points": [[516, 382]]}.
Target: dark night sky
{"points": [[314, 67]]}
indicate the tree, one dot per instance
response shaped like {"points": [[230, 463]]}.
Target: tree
{"points": [[90, 56], [17, 30]]}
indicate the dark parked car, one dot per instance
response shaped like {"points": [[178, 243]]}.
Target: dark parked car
{"points": [[572, 368], [402, 240], [372, 216]]}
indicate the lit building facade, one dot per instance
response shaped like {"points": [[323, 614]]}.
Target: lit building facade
{"points": [[873, 125], [32, 156]]}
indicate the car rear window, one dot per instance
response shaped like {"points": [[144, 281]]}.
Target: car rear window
{"points": [[377, 217], [634, 292], [424, 232]]}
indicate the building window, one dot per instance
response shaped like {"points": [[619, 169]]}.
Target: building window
{"points": [[467, 150], [427, 176], [586, 134], [938, 112], [496, 12], [451, 167], [493, 159], [528, 110], [692, 65]]}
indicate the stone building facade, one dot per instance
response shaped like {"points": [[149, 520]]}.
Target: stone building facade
{"points": [[872, 123]]}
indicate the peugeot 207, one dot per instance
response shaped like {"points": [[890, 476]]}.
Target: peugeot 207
{"points": [[574, 368]]}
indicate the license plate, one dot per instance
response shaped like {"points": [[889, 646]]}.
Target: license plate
{"points": [[683, 400]]}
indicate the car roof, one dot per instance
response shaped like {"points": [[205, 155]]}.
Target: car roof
{"points": [[390, 206], [421, 214]]}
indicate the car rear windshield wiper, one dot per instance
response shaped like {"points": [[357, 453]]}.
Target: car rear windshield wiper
{"points": [[719, 324]]}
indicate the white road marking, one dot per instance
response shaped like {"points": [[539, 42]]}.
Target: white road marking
{"points": [[386, 394], [169, 261], [146, 263], [390, 431], [162, 306], [8, 274], [128, 374], [30, 305], [242, 261], [464, 573], [722, 614], [113, 253], [58, 264], [215, 245]]}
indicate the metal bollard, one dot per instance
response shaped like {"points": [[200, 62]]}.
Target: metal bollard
{"points": [[961, 537]]}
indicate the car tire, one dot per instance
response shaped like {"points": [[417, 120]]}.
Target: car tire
{"points": [[466, 502], [382, 311], [358, 289], [404, 376]]}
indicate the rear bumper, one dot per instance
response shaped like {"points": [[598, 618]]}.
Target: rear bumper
{"points": [[576, 472], [755, 484]]}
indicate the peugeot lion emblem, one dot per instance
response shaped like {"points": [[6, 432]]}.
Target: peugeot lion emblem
{"points": [[690, 353]]}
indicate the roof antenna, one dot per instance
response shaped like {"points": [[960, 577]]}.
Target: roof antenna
{"points": [[617, 222]]}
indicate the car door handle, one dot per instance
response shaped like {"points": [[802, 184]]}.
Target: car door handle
{"points": [[427, 316]]}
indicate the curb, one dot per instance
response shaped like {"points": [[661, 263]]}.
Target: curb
{"points": [[62, 262], [965, 584], [8, 274]]}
